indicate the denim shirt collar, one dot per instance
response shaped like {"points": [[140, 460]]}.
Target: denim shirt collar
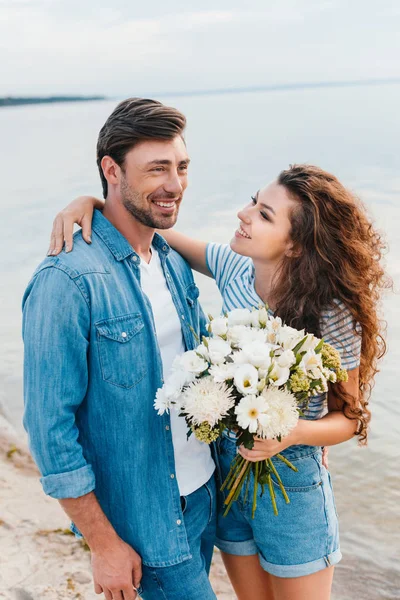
{"points": [[117, 243]]}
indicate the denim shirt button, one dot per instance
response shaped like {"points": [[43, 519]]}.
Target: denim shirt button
{"points": [[179, 522], [165, 248], [183, 317], [167, 427], [134, 258], [172, 476], [124, 334]]}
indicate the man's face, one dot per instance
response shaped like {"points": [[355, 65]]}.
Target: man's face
{"points": [[153, 180]]}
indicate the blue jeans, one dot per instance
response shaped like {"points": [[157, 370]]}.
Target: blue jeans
{"points": [[189, 579]]}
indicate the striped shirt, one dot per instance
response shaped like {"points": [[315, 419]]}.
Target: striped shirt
{"points": [[235, 276]]}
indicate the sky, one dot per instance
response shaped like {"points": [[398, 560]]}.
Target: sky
{"points": [[119, 47]]}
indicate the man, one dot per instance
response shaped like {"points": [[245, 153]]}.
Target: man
{"points": [[101, 326]]}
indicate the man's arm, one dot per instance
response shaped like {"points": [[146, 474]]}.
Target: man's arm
{"points": [[56, 328]]}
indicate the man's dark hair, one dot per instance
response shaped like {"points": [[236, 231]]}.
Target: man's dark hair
{"points": [[135, 120]]}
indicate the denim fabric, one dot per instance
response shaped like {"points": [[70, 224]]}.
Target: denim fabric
{"points": [[92, 368], [304, 537], [188, 580]]}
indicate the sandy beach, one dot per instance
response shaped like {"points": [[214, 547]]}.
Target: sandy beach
{"points": [[39, 558]]}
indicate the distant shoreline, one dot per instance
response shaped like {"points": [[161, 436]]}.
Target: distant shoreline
{"points": [[20, 101]]}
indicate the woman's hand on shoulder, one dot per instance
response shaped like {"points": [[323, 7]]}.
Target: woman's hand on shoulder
{"points": [[79, 211]]}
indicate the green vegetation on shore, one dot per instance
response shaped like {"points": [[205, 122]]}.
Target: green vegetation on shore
{"points": [[17, 101]]}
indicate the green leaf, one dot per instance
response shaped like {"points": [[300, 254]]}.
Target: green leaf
{"points": [[318, 348], [299, 345]]}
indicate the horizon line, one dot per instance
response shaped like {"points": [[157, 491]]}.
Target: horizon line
{"points": [[282, 87]]}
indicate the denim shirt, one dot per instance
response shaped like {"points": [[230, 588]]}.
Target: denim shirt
{"points": [[91, 370]]}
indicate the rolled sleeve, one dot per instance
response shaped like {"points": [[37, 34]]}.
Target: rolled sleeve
{"points": [[56, 331], [69, 485]]}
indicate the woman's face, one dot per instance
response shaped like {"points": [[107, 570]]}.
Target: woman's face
{"points": [[264, 230]]}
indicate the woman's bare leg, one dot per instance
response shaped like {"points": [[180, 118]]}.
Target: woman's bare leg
{"points": [[310, 587], [248, 578]]}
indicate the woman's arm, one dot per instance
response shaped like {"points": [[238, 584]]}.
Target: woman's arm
{"points": [[332, 429], [194, 251], [79, 211]]}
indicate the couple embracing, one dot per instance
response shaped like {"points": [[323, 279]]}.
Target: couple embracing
{"points": [[103, 322]]}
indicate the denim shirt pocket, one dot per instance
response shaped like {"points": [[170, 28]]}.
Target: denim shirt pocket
{"points": [[120, 342]]}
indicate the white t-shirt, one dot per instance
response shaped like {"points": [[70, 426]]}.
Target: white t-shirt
{"points": [[193, 461]]}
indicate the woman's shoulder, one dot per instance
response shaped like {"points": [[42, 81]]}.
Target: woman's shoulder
{"points": [[226, 265], [340, 329]]}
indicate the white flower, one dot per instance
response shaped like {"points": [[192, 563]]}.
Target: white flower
{"points": [[239, 358], [282, 413], [248, 412], [218, 326], [218, 350], [246, 379], [254, 319], [274, 324], [222, 373], [239, 316], [203, 351], [190, 361], [279, 375], [177, 380], [206, 401], [258, 354], [310, 343], [238, 335], [162, 403], [286, 359], [289, 337], [311, 361]]}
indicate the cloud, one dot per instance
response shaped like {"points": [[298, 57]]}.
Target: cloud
{"points": [[94, 47]]}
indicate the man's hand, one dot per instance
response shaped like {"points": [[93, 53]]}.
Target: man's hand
{"points": [[117, 570]]}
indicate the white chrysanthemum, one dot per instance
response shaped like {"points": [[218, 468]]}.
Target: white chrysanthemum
{"points": [[190, 361], [248, 412], [218, 350], [258, 354], [218, 326], [222, 373], [246, 379], [239, 358], [281, 412], [239, 316], [162, 403], [206, 401]]}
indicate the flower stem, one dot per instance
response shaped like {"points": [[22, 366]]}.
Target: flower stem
{"points": [[287, 462], [255, 489], [233, 471], [247, 486], [272, 494], [237, 482], [275, 472]]}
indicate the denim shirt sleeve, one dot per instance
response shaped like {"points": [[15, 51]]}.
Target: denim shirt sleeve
{"points": [[56, 326]]}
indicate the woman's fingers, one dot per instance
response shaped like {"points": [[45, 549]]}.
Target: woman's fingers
{"points": [[87, 227], [57, 236], [68, 235], [97, 588]]}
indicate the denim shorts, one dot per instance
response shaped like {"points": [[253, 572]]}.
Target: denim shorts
{"points": [[304, 537]]}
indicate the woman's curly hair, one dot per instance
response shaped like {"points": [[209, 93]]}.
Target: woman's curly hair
{"points": [[336, 256]]}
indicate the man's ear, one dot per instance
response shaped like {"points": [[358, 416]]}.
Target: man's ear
{"points": [[111, 170]]}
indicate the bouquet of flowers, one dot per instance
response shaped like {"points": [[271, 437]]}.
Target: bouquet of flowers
{"points": [[252, 375]]}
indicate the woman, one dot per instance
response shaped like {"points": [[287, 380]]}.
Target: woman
{"points": [[306, 248]]}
